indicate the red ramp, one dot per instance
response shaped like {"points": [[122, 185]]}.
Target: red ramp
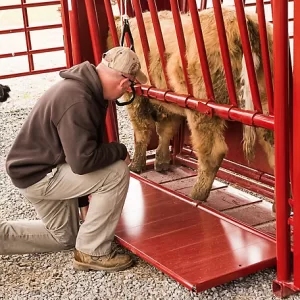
{"points": [[196, 246]]}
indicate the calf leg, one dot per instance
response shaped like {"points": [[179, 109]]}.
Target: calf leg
{"points": [[143, 124], [208, 142], [165, 129]]}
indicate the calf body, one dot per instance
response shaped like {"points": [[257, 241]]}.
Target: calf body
{"points": [[207, 133]]}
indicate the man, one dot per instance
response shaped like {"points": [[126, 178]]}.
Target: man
{"points": [[59, 155]]}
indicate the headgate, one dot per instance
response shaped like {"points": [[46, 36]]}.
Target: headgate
{"points": [[205, 245], [151, 223]]}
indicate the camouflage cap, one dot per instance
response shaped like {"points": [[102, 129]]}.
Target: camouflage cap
{"points": [[124, 60]]}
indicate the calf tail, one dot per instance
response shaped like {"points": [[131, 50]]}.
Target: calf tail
{"points": [[249, 132]]}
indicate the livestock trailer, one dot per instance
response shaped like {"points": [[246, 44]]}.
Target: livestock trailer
{"points": [[234, 233]]}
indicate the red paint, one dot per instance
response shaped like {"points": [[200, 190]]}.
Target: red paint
{"points": [[184, 241]]}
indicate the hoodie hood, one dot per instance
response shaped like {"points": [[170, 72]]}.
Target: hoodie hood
{"points": [[87, 74]]}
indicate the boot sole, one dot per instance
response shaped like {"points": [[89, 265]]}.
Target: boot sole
{"points": [[86, 267]]}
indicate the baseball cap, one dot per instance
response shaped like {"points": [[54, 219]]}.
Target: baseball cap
{"points": [[124, 60]]}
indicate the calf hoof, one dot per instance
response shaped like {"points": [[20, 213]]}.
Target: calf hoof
{"points": [[136, 168], [199, 194], [161, 167]]}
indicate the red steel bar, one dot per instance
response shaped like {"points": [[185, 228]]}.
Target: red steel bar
{"points": [[111, 22], [184, 6], [296, 147], [98, 50], [281, 95], [143, 35], [225, 52], [94, 30], [181, 43], [34, 72], [159, 38], [248, 54], [129, 9], [27, 36], [237, 168], [203, 4], [130, 13], [230, 177], [66, 30], [36, 4], [30, 52], [32, 28], [201, 49], [74, 31], [204, 106], [265, 53]]}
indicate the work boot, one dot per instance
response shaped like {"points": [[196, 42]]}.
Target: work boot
{"points": [[110, 262]]}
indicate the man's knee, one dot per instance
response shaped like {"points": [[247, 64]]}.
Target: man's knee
{"points": [[122, 170], [65, 240]]}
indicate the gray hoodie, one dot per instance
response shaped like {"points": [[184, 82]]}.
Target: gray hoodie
{"points": [[67, 125]]}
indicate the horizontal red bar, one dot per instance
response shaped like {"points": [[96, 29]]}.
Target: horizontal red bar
{"points": [[33, 28], [230, 177], [26, 5], [34, 72], [224, 111], [46, 50], [240, 169]]}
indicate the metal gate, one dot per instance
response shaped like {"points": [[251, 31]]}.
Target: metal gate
{"points": [[28, 32], [288, 261]]}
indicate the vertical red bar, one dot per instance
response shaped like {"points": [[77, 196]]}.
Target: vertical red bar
{"points": [[111, 22], [265, 53], [130, 13], [203, 4], [66, 31], [181, 43], [74, 30], [159, 38], [281, 95], [248, 54], [27, 35], [201, 49], [143, 34], [129, 9], [111, 126], [94, 30], [225, 51], [184, 7], [296, 146]]}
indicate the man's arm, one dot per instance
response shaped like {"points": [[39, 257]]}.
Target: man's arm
{"points": [[79, 136]]}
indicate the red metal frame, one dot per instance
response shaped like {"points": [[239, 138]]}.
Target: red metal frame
{"points": [[296, 150], [232, 112], [28, 29], [281, 85], [225, 52], [288, 258]]}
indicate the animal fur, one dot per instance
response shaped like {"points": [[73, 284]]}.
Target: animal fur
{"points": [[207, 134]]}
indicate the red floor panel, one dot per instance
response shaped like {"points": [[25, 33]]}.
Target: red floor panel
{"points": [[194, 246], [185, 185], [253, 215]]}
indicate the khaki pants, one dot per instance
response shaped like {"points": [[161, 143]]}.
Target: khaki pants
{"points": [[55, 201]]}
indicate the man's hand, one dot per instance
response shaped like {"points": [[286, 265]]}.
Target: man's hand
{"points": [[127, 159]]}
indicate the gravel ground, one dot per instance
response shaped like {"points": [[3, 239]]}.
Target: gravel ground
{"points": [[50, 276]]}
